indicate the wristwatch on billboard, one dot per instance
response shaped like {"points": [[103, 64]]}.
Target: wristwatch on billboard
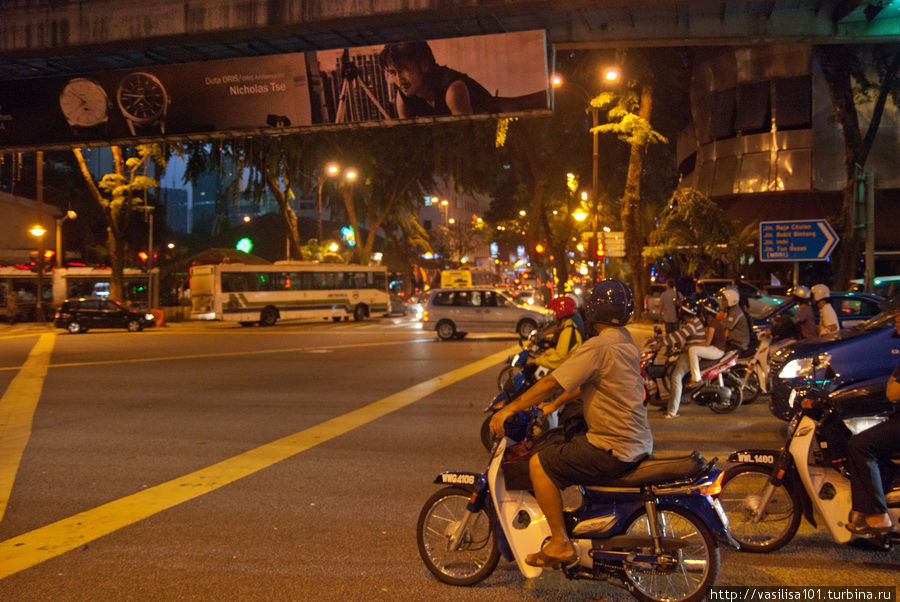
{"points": [[143, 101], [85, 106]]}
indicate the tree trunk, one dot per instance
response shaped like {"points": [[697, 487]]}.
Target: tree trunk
{"points": [[835, 62], [116, 263], [631, 207], [290, 219]]}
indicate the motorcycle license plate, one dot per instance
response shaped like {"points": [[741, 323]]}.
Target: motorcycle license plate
{"points": [[717, 505]]}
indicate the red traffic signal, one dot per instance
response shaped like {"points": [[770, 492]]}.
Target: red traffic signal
{"points": [[539, 248], [142, 256]]}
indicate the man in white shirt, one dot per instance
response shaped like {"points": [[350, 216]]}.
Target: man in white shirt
{"points": [[828, 321]]}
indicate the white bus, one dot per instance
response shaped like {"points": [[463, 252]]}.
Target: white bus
{"points": [[288, 290]]}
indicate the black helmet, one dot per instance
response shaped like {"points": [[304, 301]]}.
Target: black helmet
{"points": [[611, 302], [710, 305], [688, 306]]}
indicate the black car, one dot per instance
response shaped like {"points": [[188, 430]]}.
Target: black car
{"points": [[80, 315]]}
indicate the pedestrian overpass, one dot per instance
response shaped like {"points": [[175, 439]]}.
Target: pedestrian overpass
{"points": [[61, 37]]}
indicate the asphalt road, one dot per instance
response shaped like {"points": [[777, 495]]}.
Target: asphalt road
{"points": [[210, 462]]}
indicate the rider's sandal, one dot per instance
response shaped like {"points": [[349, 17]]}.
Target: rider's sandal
{"points": [[543, 560], [861, 528]]}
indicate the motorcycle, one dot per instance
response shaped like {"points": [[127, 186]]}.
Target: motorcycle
{"points": [[753, 371], [514, 386], [720, 389], [531, 348], [768, 492], [654, 531]]}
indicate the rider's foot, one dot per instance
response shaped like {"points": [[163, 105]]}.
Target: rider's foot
{"points": [[552, 556], [870, 526], [671, 415]]}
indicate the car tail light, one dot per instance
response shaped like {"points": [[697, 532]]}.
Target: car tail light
{"points": [[425, 315]]}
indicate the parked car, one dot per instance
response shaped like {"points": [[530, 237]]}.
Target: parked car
{"points": [[867, 351], [453, 313], [759, 302], [883, 286], [851, 309], [80, 315]]}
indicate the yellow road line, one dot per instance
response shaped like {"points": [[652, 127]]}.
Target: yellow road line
{"points": [[17, 410], [26, 550]]}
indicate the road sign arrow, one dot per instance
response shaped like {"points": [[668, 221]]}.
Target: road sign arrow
{"points": [[831, 239]]}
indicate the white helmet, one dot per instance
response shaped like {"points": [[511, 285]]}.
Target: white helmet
{"points": [[731, 296], [799, 292], [819, 292]]}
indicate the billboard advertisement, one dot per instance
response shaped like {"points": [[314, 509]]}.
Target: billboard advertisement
{"points": [[492, 74]]}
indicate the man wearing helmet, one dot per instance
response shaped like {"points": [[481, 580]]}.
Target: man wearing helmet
{"points": [[692, 332], [568, 334], [804, 319], [828, 321], [737, 327], [605, 374]]}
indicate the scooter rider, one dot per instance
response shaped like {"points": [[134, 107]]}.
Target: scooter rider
{"points": [[737, 326], [569, 335], [605, 373], [691, 332], [713, 347], [865, 452], [828, 321], [805, 321]]}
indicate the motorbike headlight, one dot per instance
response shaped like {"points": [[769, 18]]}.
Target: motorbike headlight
{"points": [[798, 367], [792, 397]]}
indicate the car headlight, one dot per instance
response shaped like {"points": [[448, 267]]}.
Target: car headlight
{"points": [[797, 367], [149, 317]]}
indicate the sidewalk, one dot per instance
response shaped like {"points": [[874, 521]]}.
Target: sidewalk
{"points": [[25, 328]]}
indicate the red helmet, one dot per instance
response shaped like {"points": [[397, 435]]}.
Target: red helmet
{"points": [[563, 307]]}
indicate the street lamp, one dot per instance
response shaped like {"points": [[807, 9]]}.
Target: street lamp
{"points": [[331, 170], [38, 232], [59, 252], [610, 76]]}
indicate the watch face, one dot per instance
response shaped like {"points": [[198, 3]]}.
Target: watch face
{"points": [[142, 98], [83, 103]]}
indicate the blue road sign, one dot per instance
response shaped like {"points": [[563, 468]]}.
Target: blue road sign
{"points": [[805, 240]]}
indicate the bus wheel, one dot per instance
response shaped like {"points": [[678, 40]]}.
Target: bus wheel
{"points": [[360, 312], [268, 317]]}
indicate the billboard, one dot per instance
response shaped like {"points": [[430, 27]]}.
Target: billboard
{"points": [[492, 74]]}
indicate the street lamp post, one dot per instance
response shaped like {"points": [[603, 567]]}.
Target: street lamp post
{"points": [[59, 222], [38, 232], [330, 171], [610, 75]]}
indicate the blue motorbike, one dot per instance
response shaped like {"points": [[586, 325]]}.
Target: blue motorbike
{"points": [[654, 531]]}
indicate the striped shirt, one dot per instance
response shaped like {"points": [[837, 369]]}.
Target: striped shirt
{"points": [[692, 332]]}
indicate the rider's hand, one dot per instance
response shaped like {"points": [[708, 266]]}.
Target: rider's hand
{"points": [[497, 421], [548, 407]]}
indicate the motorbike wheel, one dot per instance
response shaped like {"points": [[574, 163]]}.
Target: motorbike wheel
{"points": [[477, 555], [741, 488], [487, 439], [734, 384], [698, 561], [751, 388], [507, 373]]}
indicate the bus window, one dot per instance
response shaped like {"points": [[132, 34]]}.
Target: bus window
{"points": [[343, 280], [234, 282], [379, 281], [323, 280]]}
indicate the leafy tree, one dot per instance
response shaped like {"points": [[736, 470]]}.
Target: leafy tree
{"points": [[856, 76], [629, 111], [694, 232], [119, 194]]}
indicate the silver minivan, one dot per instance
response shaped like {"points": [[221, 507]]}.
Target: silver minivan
{"points": [[454, 312]]}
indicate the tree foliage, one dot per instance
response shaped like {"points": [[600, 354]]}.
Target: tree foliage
{"points": [[694, 233], [119, 194]]}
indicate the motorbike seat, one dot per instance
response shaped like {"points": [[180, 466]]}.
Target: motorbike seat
{"points": [[729, 356], [652, 471]]}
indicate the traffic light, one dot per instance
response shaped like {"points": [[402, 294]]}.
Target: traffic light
{"points": [[601, 252], [142, 256], [244, 245], [539, 248]]}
